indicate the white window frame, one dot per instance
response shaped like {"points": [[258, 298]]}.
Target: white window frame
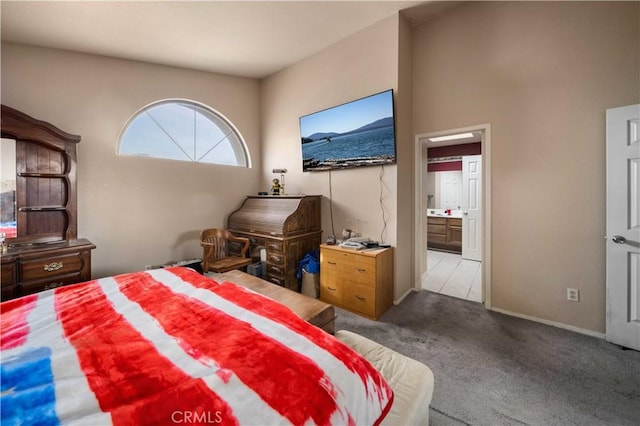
{"points": [[242, 145]]}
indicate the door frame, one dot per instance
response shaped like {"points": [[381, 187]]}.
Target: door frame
{"points": [[420, 241]]}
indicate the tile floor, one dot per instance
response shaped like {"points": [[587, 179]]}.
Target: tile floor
{"points": [[450, 274]]}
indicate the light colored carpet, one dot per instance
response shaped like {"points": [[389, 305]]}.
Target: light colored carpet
{"points": [[493, 369]]}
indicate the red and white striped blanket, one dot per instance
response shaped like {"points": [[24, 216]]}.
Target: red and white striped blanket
{"points": [[171, 346]]}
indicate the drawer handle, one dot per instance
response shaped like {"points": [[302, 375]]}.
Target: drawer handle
{"points": [[360, 298], [331, 288], [331, 263], [53, 266], [362, 270], [53, 285]]}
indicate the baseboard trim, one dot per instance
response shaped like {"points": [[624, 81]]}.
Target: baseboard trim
{"points": [[406, 293], [551, 323]]}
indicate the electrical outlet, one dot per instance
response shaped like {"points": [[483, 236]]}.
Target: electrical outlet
{"points": [[573, 295]]}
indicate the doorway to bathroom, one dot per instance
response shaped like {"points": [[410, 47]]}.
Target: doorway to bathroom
{"points": [[452, 220]]}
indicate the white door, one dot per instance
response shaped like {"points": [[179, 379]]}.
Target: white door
{"points": [[472, 207], [623, 226]]}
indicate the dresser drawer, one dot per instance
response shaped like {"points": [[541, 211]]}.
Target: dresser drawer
{"points": [[437, 229], [47, 267], [273, 246], [359, 297], [362, 270], [333, 257], [354, 267], [48, 284], [455, 221], [437, 221], [334, 260], [275, 269], [330, 291], [276, 258], [436, 238]]}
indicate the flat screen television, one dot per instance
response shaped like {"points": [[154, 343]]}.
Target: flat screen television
{"points": [[354, 134]]}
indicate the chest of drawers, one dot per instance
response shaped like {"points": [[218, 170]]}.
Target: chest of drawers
{"points": [[359, 281], [42, 267]]}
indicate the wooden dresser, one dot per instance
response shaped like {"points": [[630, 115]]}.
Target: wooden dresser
{"points": [[29, 270], [286, 226], [360, 281], [43, 249]]}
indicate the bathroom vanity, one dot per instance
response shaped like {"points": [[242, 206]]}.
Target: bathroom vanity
{"points": [[444, 231]]}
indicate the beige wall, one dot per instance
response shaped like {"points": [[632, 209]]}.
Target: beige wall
{"points": [[361, 65], [137, 211], [543, 75]]}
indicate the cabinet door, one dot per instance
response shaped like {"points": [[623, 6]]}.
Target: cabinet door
{"points": [[8, 273], [8, 292], [8, 281], [454, 233]]}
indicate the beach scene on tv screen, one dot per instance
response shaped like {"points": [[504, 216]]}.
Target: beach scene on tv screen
{"points": [[358, 133]]}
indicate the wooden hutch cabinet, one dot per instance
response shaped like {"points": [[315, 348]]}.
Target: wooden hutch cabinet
{"points": [[286, 226], [44, 251]]}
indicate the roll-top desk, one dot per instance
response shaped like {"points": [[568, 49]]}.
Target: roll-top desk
{"points": [[286, 226], [43, 249]]}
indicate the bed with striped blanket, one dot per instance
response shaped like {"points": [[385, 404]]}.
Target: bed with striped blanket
{"points": [[171, 346]]}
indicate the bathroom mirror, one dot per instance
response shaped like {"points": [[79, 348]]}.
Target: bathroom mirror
{"points": [[8, 224], [444, 190]]}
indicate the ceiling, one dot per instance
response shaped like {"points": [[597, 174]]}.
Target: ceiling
{"points": [[243, 38]]}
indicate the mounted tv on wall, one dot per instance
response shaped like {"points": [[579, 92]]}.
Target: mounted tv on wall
{"points": [[355, 134]]}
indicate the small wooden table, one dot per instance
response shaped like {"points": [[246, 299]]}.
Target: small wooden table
{"points": [[314, 311]]}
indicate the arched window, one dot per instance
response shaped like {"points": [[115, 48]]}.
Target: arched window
{"points": [[184, 130]]}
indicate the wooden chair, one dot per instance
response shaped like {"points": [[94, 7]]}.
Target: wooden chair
{"points": [[217, 255]]}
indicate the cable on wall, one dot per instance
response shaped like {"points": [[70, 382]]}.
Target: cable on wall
{"points": [[384, 219], [333, 232]]}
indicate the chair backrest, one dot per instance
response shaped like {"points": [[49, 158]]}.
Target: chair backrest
{"points": [[219, 239]]}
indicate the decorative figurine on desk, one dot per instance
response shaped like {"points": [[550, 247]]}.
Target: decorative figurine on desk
{"points": [[278, 185], [276, 188]]}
